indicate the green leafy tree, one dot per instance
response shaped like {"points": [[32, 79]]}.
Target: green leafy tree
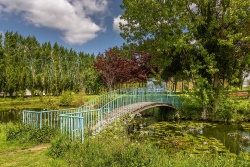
{"points": [[88, 76], [34, 65], [212, 36], [47, 75], [12, 60], [2, 66], [55, 69], [25, 64]]}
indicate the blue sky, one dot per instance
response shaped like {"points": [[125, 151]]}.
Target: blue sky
{"points": [[90, 26]]}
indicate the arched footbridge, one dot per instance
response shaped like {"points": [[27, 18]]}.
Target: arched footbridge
{"points": [[102, 111]]}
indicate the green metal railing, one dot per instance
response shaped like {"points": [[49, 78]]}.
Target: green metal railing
{"points": [[99, 112], [48, 118]]}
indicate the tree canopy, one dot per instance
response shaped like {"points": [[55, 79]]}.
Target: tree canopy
{"points": [[51, 69], [210, 38], [118, 66]]}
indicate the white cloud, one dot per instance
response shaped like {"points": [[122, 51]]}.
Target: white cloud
{"points": [[116, 22], [71, 17]]}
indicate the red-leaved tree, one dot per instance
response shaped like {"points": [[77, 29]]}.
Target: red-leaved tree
{"points": [[115, 68]]}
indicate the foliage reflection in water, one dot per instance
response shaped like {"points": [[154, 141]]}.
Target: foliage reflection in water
{"points": [[192, 137], [10, 116]]}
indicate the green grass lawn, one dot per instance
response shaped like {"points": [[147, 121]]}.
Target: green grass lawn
{"points": [[37, 158], [16, 153], [41, 102], [20, 103]]}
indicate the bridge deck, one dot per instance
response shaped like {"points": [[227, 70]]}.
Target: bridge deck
{"points": [[121, 111]]}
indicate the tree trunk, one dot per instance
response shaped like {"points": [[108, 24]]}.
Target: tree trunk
{"points": [[182, 85], [216, 90], [204, 113], [175, 86], [216, 81]]}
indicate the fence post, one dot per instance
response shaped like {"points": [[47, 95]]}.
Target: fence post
{"points": [[99, 119], [41, 119], [24, 111], [82, 126]]}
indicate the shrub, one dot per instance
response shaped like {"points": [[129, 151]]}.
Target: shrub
{"points": [[60, 145], [15, 131], [231, 110], [66, 98], [192, 107], [27, 134]]}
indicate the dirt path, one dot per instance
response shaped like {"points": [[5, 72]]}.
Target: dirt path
{"points": [[35, 148], [38, 147]]}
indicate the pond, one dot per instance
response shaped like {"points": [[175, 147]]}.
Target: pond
{"points": [[10, 115], [192, 137], [13, 115]]}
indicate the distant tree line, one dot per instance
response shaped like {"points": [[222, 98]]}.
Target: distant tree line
{"points": [[43, 68], [51, 69]]}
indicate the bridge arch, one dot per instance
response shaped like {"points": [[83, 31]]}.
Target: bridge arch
{"points": [[152, 105], [126, 109], [102, 111]]}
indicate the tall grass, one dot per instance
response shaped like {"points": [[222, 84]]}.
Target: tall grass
{"points": [[27, 134], [114, 148], [111, 148]]}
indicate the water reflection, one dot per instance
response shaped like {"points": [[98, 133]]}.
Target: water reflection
{"points": [[233, 138], [10, 116], [245, 141]]}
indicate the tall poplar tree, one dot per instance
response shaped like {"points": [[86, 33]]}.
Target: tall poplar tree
{"points": [[11, 62], [2, 67], [33, 63]]}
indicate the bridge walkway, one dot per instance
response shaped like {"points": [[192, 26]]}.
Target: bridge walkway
{"points": [[121, 111]]}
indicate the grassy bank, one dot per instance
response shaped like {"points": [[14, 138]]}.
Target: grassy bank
{"points": [[20, 146], [112, 147], [34, 158], [44, 102]]}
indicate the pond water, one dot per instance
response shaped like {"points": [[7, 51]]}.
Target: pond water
{"points": [[193, 137], [13, 115], [10, 115]]}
